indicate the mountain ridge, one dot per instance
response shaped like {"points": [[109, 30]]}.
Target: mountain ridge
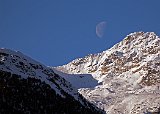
{"points": [[130, 68], [28, 86]]}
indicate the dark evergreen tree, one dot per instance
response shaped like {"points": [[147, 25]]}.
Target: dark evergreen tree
{"points": [[31, 96]]}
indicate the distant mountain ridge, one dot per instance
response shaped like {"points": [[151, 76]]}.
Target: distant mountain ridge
{"points": [[29, 87], [128, 75]]}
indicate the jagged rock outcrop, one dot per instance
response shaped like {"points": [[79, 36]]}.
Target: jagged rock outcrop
{"points": [[128, 75]]}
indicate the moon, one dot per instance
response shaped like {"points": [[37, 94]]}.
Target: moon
{"points": [[100, 29]]}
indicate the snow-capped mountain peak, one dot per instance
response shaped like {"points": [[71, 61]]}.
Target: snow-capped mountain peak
{"points": [[133, 53], [131, 66]]}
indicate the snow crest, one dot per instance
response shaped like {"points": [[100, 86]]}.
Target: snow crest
{"points": [[17, 63]]}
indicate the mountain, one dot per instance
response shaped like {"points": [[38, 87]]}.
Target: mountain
{"points": [[126, 77], [28, 87]]}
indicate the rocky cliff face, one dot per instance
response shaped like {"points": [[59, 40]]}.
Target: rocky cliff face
{"points": [[128, 75], [28, 87]]}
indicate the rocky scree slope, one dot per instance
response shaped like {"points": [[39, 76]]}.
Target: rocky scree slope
{"points": [[128, 75], [28, 87]]}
